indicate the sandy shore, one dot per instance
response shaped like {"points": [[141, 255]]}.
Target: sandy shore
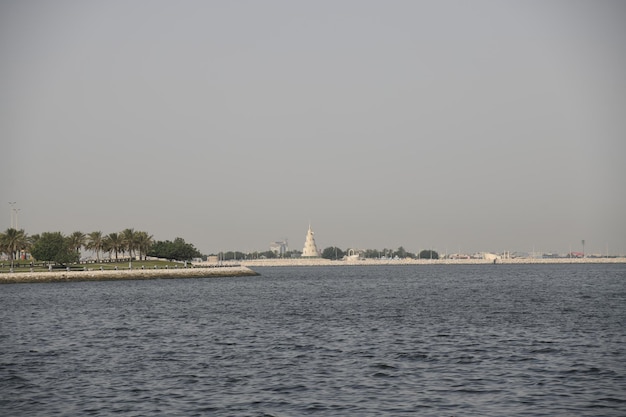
{"points": [[109, 275]]}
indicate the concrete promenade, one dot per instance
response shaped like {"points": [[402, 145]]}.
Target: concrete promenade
{"points": [[372, 262], [126, 274]]}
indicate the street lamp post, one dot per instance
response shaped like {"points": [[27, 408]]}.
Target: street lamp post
{"points": [[12, 209], [16, 212]]}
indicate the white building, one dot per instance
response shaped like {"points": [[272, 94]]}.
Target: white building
{"points": [[279, 248], [310, 249]]}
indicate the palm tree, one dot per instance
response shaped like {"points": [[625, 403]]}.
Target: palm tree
{"points": [[77, 240], [95, 242], [113, 243], [144, 241], [13, 241], [3, 246], [107, 246], [129, 239]]}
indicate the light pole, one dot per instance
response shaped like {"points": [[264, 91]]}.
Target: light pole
{"points": [[16, 211], [12, 204]]}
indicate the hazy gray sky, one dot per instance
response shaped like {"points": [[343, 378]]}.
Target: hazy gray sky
{"points": [[482, 125]]}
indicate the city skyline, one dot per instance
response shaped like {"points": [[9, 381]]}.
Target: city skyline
{"points": [[484, 126], [284, 246]]}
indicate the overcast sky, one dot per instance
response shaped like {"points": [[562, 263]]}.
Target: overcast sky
{"points": [[454, 125]]}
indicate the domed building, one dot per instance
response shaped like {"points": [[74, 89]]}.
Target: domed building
{"points": [[310, 248]]}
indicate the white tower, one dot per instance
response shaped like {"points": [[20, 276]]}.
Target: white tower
{"points": [[310, 249]]}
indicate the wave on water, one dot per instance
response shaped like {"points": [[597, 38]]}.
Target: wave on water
{"points": [[356, 341]]}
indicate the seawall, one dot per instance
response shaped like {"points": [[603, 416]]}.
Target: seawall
{"points": [[127, 274], [367, 262]]}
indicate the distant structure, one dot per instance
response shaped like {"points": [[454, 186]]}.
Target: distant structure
{"points": [[310, 249], [491, 256], [353, 255], [279, 248]]}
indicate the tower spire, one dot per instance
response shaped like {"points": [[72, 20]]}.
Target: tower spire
{"points": [[310, 248]]}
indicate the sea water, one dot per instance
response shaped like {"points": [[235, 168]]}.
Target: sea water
{"points": [[448, 340]]}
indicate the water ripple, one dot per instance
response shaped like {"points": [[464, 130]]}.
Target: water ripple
{"points": [[467, 340]]}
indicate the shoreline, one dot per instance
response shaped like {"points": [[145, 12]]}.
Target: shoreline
{"points": [[126, 274], [372, 262], [243, 268]]}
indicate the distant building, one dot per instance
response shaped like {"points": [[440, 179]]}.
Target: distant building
{"points": [[459, 256], [490, 256], [310, 248], [279, 248], [353, 254]]}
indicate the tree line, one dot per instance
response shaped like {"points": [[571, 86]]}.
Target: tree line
{"points": [[334, 252], [61, 249]]}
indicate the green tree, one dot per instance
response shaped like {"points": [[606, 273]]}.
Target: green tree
{"points": [[95, 242], [77, 240], [332, 252], [233, 255], [32, 239], [428, 254], [143, 241], [177, 250], [402, 253], [185, 251], [161, 249], [12, 242], [129, 238], [54, 247], [4, 248], [270, 254], [113, 244], [372, 253]]}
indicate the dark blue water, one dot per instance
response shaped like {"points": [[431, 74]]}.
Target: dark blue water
{"points": [[515, 340]]}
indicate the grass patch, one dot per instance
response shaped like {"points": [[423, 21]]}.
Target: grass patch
{"points": [[24, 266]]}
